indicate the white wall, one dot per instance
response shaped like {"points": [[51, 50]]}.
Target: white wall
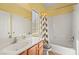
{"points": [[4, 29], [76, 27], [4, 24], [60, 29]]}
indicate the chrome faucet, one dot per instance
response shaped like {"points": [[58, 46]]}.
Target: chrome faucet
{"points": [[14, 40]]}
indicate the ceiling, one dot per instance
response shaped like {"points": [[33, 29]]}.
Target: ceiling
{"points": [[51, 9], [43, 7], [25, 9], [49, 4]]}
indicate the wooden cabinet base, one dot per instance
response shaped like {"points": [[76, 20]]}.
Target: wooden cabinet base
{"points": [[34, 50]]}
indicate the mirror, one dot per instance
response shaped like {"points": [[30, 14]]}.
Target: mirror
{"points": [[20, 26], [35, 23]]}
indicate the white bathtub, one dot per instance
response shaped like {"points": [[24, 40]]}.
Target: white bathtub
{"points": [[62, 50]]}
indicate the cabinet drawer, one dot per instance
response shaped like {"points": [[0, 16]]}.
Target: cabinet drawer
{"points": [[40, 43]]}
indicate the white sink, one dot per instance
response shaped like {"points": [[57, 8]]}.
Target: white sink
{"points": [[17, 46]]}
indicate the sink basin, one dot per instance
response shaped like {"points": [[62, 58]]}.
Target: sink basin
{"points": [[17, 46]]}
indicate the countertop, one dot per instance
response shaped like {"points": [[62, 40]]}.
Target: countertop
{"points": [[34, 41]]}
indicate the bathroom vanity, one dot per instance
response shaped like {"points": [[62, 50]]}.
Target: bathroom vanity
{"points": [[28, 46], [36, 49]]}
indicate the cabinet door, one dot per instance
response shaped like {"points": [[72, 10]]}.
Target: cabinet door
{"points": [[41, 50], [33, 50]]}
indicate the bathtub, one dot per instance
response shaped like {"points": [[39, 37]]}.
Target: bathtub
{"points": [[62, 50]]}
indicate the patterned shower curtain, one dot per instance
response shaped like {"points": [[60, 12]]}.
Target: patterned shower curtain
{"points": [[44, 29]]}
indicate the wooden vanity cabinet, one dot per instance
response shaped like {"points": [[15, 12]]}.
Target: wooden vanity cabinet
{"points": [[33, 50], [37, 49]]}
